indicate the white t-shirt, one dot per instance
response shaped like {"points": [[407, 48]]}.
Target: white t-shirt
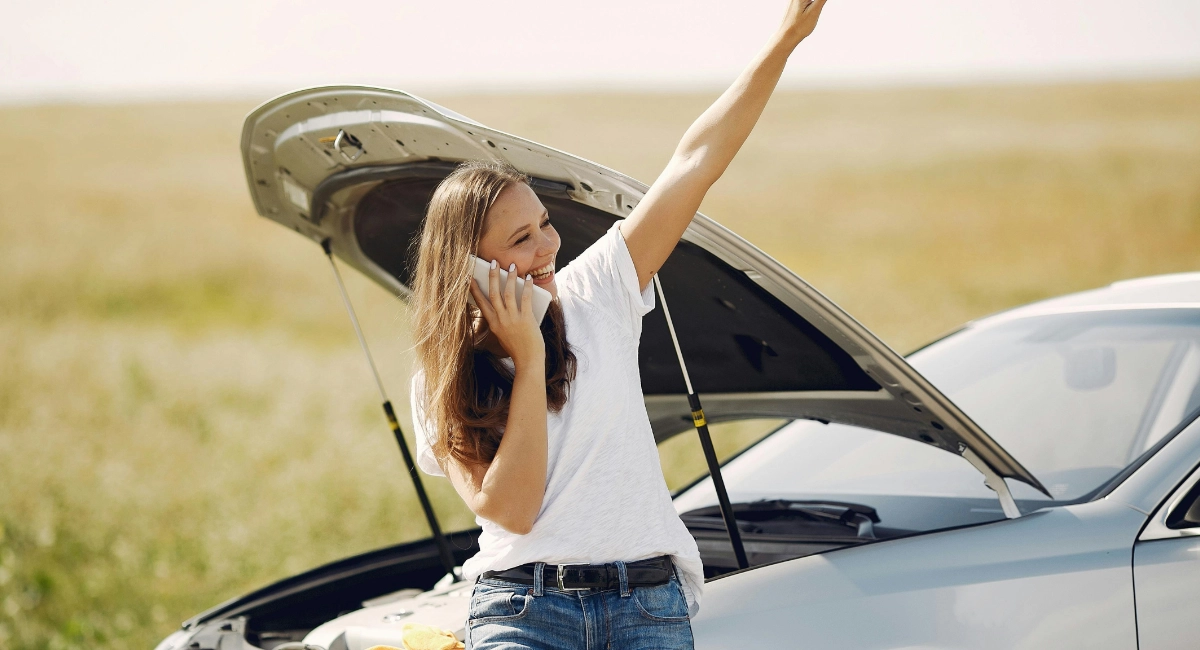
{"points": [[606, 498]]}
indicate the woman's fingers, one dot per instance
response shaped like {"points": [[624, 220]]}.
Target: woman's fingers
{"points": [[510, 319], [527, 297], [510, 288], [494, 286], [813, 10]]}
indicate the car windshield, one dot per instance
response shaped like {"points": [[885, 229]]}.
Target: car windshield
{"points": [[1074, 397]]}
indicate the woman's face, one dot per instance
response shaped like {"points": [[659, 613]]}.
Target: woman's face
{"points": [[517, 230]]}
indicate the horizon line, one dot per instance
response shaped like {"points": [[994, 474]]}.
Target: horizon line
{"points": [[260, 93]]}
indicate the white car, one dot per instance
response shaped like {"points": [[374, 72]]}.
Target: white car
{"points": [[890, 512]]}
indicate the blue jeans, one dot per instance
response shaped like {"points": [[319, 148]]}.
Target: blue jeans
{"points": [[510, 616]]}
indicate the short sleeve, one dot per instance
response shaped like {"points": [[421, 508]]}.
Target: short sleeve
{"points": [[605, 277], [423, 431]]}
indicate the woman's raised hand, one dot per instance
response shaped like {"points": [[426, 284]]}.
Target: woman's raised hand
{"points": [[512, 320], [659, 219], [801, 19]]}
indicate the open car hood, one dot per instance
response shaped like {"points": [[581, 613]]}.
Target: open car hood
{"points": [[356, 166]]}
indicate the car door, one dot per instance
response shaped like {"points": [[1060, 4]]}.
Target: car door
{"points": [[1166, 572]]}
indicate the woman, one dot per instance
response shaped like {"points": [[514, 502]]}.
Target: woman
{"points": [[541, 427]]}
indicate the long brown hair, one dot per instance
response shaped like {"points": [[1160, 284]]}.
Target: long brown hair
{"points": [[466, 389]]}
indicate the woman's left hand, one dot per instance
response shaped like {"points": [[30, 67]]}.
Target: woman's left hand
{"points": [[801, 19]]}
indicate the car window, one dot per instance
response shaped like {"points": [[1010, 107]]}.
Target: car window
{"points": [[1187, 512]]}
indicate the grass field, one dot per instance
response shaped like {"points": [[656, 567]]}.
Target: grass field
{"points": [[184, 413]]}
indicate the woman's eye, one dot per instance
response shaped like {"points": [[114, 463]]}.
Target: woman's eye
{"points": [[522, 239], [546, 223]]}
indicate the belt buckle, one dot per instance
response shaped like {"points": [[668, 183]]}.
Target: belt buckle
{"points": [[561, 570]]}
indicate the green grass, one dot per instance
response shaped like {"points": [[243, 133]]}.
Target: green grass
{"points": [[185, 415]]}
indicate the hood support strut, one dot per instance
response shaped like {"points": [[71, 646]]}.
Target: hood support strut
{"points": [[710, 454], [439, 537]]}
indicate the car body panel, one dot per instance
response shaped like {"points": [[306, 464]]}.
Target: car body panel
{"points": [[295, 146], [1057, 578], [1180, 290], [1166, 573]]}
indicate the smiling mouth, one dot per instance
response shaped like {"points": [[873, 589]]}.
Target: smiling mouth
{"points": [[544, 274]]}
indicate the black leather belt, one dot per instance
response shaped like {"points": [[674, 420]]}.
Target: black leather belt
{"points": [[572, 577]]}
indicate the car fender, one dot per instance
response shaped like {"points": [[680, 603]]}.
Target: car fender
{"points": [[1059, 577]]}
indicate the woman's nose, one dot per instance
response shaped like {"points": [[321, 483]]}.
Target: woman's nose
{"points": [[549, 244]]}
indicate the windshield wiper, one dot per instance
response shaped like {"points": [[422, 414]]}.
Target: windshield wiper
{"points": [[862, 518]]}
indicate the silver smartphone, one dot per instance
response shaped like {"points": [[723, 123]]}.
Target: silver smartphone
{"points": [[541, 297]]}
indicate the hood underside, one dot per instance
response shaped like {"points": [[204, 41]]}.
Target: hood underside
{"points": [[356, 166]]}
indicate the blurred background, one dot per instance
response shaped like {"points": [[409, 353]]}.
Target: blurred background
{"points": [[184, 411]]}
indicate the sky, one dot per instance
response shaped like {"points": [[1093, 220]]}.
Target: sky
{"points": [[118, 50]]}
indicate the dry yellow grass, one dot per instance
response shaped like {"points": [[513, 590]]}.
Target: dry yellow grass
{"points": [[183, 410]]}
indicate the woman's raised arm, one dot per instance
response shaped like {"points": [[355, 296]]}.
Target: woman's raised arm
{"points": [[658, 221]]}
